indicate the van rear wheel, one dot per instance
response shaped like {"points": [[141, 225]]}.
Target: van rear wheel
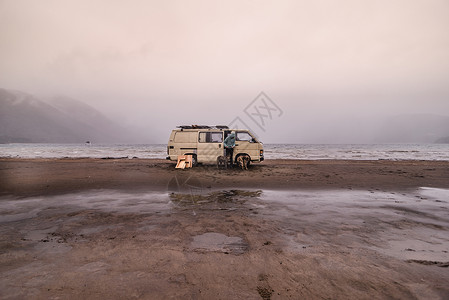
{"points": [[194, 159]]}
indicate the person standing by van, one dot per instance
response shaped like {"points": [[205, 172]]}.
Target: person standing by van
{"points": [[229, 144]]}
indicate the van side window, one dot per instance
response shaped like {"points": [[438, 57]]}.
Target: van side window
{"points": [[185, 137], [211, 137], [244, 136]]}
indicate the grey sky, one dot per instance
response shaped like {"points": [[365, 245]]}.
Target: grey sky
{"points": [[173, 62]]}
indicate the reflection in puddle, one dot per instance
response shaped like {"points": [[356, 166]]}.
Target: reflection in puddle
{"points": [[228, 196], [217, 242]]}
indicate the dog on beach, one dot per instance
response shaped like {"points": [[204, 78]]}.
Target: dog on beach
{"points": [[243, 161], [221, 162]]}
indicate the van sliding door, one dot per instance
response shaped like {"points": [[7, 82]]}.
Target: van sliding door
{"points": [[210, 146]]}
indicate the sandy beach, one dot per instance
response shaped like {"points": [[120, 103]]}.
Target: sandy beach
{"points": [[28, 177], [284, 229]]}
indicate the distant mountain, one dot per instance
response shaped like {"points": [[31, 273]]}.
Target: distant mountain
{"points": [[416, 128], [25, 118], [443, 140]]}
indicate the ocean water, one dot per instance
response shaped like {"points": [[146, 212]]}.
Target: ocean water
{"points": [[359, 151], [272, 151]]}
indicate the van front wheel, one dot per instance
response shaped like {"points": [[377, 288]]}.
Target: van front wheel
{"points": [[248, 159]]}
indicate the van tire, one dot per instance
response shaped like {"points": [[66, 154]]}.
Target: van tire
{"points": [[242, 154], [194, 159]]}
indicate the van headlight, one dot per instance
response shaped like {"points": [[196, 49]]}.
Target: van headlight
{"points": [[261, 152]]}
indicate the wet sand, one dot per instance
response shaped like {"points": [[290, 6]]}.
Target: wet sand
{"points": [[124, 229], [28, 177]]}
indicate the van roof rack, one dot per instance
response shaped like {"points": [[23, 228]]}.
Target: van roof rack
{"points": [[202, 127], [193, 126]]}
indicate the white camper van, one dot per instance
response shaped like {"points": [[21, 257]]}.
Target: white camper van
{"points": [[205, 143]]}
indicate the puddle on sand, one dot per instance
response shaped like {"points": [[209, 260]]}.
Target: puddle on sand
{"points": [[218, 242], [432, 249], [438, 195], [15, 210], [424, 205], [412, 225], [409, 226], [104, 200], [116, 201]]}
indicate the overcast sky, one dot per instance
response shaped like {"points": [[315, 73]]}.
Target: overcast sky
{"points": [[158, 64]]}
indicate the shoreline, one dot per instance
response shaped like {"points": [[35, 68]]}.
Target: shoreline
{"points": [[272, 151]]}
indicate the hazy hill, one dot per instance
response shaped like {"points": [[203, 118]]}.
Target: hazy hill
{"points": [[25, 118], [417, 128]]}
